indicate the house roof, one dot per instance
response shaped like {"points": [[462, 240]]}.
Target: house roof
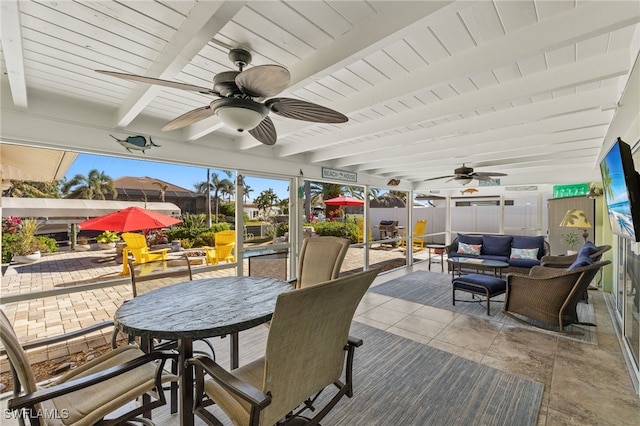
{"points": [[142, 186], [534, 89]]}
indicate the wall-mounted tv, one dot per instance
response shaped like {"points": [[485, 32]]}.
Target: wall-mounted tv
{"points": [[621, 185]]}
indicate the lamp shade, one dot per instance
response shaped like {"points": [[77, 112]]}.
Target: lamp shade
{"points": [[239, 114], [575, 219], [464, 180]]}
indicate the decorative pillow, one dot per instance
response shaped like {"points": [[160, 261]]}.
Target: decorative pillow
{"points": [[469, 239], [523, 241], [496, 245], [469, 248], [523, 253], [588, 249], [580, 262]]}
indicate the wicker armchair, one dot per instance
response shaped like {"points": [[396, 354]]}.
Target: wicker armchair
{"points": [[547, 297], [564, 261]]}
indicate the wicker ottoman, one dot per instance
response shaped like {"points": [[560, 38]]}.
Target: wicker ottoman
{"points": [[479, 285]]}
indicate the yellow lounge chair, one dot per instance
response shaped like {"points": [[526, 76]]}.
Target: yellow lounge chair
{"points": [[224, 249], [361, 231], [137, 246], [418, 233]]}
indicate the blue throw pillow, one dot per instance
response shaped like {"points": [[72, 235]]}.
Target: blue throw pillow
{"points": [[469, 239], [580, 262], [525, 242], [496, 245], [587, 249]]}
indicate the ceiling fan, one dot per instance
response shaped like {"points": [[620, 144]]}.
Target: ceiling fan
{"points": [[465, 174], [241, 104]]}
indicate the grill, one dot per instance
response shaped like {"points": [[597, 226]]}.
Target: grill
{"points": [[388, 229]]}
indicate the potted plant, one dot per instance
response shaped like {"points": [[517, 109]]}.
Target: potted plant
{"points": [[107, 240], [83, 244], [28, 246], [571, 241]]}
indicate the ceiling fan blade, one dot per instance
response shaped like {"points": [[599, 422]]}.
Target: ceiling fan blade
{"points": [[263, 81], [157, 81], [265, 132], [188, 118], [489, 174], [306, 111], [440, 177]]}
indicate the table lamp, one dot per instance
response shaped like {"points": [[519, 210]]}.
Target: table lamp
{"points": [[576, 219]]}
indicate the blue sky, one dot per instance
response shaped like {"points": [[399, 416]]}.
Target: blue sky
{"points": [[183, 176]]}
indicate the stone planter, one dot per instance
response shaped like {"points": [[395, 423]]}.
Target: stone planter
{"points": [[82, 247], [107, 246], [27, 258]]}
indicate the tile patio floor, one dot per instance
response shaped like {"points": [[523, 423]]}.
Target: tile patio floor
{"points": [[584, 384]]}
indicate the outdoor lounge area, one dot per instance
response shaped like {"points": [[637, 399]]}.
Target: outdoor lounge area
{"points": [[258, 126], [397, 305]]}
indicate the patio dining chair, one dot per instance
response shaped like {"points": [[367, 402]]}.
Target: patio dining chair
{"points": [[89, 394], [137, 246], [310, 327], [320, 260]]}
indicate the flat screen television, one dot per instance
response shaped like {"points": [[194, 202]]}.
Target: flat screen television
{"points": [[621, 185]]}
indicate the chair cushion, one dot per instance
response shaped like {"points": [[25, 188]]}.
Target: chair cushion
{"points": [[580, 261], [469, 239], [524, 263], [492, 284], [494, 257], [464, 248], [587, 249], [526, 242], [496, 245]]}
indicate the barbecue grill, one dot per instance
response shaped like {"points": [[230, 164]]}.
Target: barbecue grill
{"points": [[388, 229]]}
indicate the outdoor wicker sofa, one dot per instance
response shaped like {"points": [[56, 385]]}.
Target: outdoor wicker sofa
{"points": [[519, 251]]}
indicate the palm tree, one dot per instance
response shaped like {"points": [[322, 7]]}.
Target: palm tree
{"points": [[29, 189], [95, 186], [266, 200], [246, 189], [215, 184], [163, 188]]}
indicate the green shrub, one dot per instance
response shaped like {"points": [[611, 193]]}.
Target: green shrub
{"points": [[204, 239], [282, 229], [9, 244], [50, 245], [347, 230]]}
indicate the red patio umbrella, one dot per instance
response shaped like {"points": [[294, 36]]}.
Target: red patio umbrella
{"points": [[129, 219], [343, 200]]}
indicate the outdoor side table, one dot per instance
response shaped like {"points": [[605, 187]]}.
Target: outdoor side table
{"points": [[436, 247]]}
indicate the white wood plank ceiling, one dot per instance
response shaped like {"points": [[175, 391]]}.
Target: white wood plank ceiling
{"points": [[528, 88]]}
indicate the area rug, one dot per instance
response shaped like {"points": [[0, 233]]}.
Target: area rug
{"points": [[434, 289], [401, 382]]}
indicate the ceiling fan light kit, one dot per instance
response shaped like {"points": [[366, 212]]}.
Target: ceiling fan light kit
{"points": [[241, 94], [239, 114]]}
